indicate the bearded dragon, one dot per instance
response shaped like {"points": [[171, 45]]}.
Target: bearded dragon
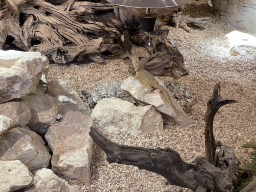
{"points": [[173, 109], [150, 81]]}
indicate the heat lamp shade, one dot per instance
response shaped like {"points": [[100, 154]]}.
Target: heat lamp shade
{"points": [[149, 3]]}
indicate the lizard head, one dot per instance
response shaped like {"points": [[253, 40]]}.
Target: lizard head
{"points": [[136, 64]]}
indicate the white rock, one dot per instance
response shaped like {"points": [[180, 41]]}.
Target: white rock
{"points": [[71, 145], [45, 180], [19, 73], [111, 114], [14, 176], [5, 123], [155, 98], [237, 38]]}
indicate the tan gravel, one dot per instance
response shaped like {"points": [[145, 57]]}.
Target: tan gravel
{"points": [[207, 63]]}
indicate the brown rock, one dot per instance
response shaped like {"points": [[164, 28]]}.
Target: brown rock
{"points": [[18, 111], [68, 98], [25, 145], [44, 112], [72, 146]]}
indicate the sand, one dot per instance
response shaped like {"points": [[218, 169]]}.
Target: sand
{"points": [[207, 64]]}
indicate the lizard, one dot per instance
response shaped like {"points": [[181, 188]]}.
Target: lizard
{"points": [[150, 81]]}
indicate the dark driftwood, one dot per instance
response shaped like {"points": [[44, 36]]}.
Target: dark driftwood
{"points": [[170, 63], [213, 106], [251, 187], [179, 19], [200, 176]]}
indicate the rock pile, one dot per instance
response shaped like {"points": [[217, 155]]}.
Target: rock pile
{"points": [[27, 113], [44, 126]]}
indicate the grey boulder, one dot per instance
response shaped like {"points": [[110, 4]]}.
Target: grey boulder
{"points": [[68, 98], [5, 123], [18, 111], [112, 114]]}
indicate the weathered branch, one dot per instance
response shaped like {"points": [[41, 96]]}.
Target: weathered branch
{"points": [[170, 63], [166, 162], [251, 187], [213, 106], [178, 19], [200, 176]]}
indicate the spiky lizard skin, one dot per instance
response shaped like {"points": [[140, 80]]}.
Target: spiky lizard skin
{"points": [[149, 80]]}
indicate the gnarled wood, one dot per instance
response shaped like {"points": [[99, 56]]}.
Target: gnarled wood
{"points": [[213, 106], [169, 61], [69, 29], [200, 176], [251, 187], [50, 30], [168, 163]]}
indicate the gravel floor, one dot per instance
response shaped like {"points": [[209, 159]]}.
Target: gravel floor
{"points": [[207, 64]]}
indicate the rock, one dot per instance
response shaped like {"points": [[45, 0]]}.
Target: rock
{"points": [[18, 111], [41, 87], [249, 51], [5, 123], [45, 180], [237, 43], [71, 146], [68, 98], [109, 89], [19, 73], [44, 112], [112, 113], [14, 176], [238, 14], [155, 98], [25, 145]]}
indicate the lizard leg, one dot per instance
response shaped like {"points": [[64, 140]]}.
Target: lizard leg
{"points": [[150, 87]]}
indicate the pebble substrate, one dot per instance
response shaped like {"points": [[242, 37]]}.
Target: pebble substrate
{"points": [[207, 64]]}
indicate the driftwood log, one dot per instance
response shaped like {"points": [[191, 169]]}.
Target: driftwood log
{"points": [[199, 176], [251, 187], [66, 30]]}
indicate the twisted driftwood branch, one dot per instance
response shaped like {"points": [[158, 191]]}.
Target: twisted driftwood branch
{"points": [[200, 176], [213, 106]]}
